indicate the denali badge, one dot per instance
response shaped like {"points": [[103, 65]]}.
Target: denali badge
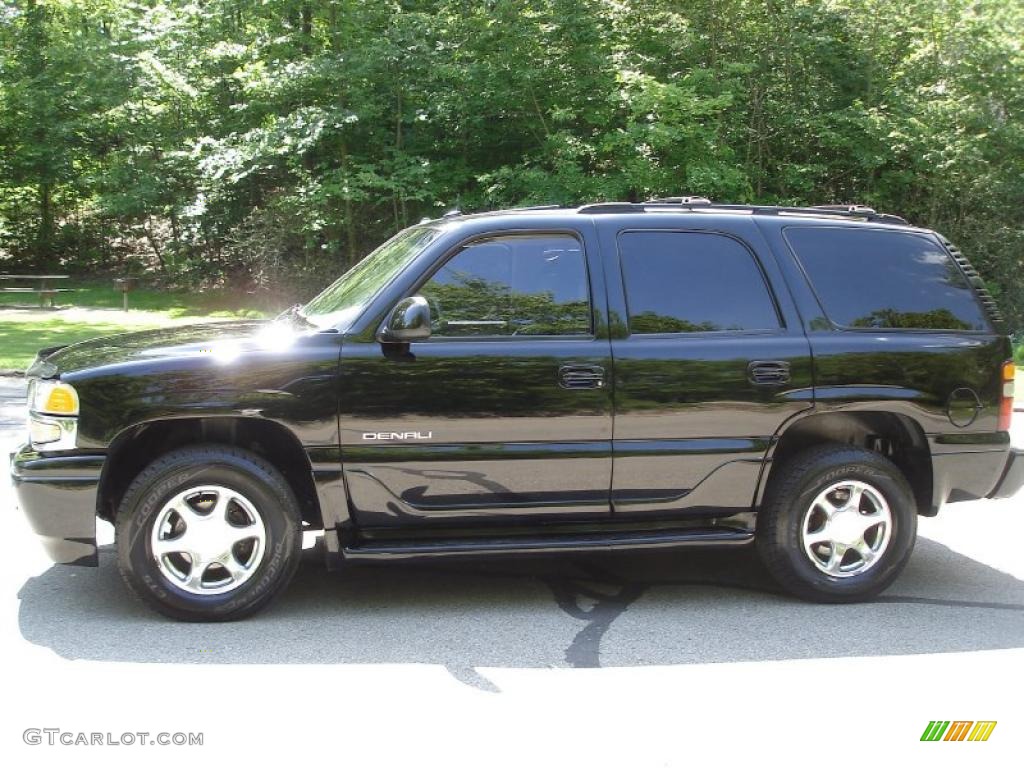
{"points": [[398, 435]]}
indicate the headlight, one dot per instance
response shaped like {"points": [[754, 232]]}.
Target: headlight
{"points": [[52, 425], [54, 397]]}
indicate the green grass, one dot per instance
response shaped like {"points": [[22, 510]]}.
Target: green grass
{"points": [[214, 303], [22, 334], [20, 340]]}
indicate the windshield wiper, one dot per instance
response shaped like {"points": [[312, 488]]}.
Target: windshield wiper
{"points": [[295, 313]]}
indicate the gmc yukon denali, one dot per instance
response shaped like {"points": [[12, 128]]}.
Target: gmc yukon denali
{"points": [[672, 373]]}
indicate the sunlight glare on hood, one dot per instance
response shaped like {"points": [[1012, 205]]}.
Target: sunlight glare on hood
{"points": [[274, 337]]}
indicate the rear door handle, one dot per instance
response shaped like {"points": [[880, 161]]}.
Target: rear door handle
{"points": [[581, 377], [768, 373]]}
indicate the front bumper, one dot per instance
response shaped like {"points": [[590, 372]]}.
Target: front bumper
{"points": [[1012, 478], [57, 493]]}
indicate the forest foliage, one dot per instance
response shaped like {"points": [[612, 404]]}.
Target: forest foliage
{"points": [[268, 144]]}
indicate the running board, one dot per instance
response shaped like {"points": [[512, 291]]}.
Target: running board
{"points": [[536, 544]]}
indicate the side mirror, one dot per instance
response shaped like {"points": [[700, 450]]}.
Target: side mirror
{"points": [[409, 321]]}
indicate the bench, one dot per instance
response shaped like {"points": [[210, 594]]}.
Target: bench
{"points": [[45, 292]]}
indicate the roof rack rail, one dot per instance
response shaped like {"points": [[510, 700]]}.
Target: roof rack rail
{"points": [[854, 208], [610, 208], [686, 200], [697, 203]]}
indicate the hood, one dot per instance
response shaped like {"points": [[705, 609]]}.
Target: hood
{"points": [[225, 340]]}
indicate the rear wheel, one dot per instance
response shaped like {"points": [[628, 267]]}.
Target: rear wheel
{"points": [[208, 533], [838, 524]]}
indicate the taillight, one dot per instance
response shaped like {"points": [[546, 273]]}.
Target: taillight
{"points": [[1006, 401]]}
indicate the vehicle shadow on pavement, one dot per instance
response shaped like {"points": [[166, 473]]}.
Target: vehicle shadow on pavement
{"points": [[600, 610]]}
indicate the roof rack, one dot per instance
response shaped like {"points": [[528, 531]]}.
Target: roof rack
{"points": [[855, 208], [698, 203], [453, 213], [687, 200]]}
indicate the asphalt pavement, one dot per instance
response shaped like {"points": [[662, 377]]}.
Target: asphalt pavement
{"points": [[962, 593]]}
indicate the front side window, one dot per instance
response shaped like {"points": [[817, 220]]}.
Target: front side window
{"points": [[516, 285], [692, 282], [873, 278]]}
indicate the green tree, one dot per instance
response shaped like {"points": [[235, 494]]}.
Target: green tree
{"points": [[269, 145]]}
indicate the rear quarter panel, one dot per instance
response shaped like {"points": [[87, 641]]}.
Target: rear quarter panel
{"points": [[932, 377]]}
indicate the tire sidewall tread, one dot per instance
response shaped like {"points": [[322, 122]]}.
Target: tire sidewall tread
{"points": [[197, 465], [790, 494]]}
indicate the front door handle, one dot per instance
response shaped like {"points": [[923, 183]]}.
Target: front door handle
{"points": [[768, 373], [581, 377]]}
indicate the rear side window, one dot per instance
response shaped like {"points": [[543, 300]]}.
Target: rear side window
{"points": [[519, 285], [689, 282], [871, 278]]}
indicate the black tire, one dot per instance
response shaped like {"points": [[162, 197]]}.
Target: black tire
{"points": [[193, 466], [790, 494]]}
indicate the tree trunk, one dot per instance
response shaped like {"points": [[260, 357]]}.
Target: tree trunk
{"points": [[148, 229], [350, 225], [44, 237], [307, 28], [398, 152]]}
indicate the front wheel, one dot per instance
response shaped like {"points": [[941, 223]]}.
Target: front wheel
{"points": [[838, 524], [208, 533]]}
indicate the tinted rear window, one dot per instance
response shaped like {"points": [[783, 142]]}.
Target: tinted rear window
{"points": [[686, 282], [871, 278]]}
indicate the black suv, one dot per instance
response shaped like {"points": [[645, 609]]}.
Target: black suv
{"points": [[618, 375]]}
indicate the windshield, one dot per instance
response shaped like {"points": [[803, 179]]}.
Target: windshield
{"points": [[341, 302]]}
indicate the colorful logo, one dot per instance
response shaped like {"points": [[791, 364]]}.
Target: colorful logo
{"points": [[958, 730]]}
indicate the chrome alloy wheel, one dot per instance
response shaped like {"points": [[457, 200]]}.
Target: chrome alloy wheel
{"points": [[847, 528], [208, 540]]}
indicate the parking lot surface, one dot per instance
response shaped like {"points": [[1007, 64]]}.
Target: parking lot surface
{"points": [[646, 658]]}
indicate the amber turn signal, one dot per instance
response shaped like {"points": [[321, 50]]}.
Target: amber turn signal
{"points": [[55, 397]]}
